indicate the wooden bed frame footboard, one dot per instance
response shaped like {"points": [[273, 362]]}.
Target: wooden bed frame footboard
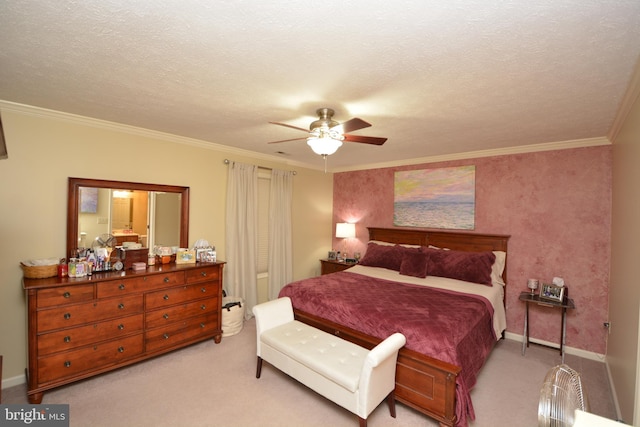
{"points": [[423, 383]]}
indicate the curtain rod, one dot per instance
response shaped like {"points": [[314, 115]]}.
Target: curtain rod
{"points": [[227, 161]]}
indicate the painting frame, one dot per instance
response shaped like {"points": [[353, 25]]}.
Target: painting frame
{"points": [[441, 198], [88, 199]]}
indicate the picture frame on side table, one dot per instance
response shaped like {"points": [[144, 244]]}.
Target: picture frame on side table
{"points": [[552, 292], [332, 256]]}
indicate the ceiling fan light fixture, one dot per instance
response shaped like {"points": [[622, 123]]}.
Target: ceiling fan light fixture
{"points": [[324, 146]]}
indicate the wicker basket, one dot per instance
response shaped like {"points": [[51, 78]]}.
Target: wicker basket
{"points": [[39, 271]]}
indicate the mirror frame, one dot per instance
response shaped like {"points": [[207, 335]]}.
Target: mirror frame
{"points": [[73, 205]]}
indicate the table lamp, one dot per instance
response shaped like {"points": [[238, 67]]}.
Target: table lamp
{"points": [[345, 230]]}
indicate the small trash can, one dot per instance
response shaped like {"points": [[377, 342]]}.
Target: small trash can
{"points": [[232, 315]]}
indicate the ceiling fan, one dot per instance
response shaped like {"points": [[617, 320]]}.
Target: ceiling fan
{"points": [[326, 135]]}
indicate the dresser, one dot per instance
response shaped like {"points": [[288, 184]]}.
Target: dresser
{"points": [[81, 327]]}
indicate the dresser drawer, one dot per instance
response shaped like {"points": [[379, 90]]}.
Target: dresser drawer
{"points": [[68, 339], [80, 314], [52, 297], [139, 284], [179, 295], [187, 330], [203, 274], [89, 358], [180, 312]]}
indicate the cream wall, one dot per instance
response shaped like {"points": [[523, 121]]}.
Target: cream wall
{"points": [[45, 148], [624, 292]]}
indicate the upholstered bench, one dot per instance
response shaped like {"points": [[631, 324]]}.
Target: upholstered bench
{"points": [[351, 376]]}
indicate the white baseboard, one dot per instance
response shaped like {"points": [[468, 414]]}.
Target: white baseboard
{"points": [[580, 353], [13, 381], [569, 350], [616, 403]]}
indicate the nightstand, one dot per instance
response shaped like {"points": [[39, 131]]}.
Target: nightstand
{"points": [[328, 266], [530, 298]]}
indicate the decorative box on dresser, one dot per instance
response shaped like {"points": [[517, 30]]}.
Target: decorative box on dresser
{"points": [[81, 327]]}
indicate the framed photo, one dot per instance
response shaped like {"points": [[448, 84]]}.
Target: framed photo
{"points": [[201, 254], [186, 256], [332, 256], [551, 292]]}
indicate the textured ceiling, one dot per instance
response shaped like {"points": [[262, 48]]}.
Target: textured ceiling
{"points": [[435, 77]]}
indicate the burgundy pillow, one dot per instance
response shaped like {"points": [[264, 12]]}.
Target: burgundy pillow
{"points": [[472, 267], [414, 264], [384, 256]]}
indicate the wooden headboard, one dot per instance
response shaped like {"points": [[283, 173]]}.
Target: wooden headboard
{"points": [[463, 241]]}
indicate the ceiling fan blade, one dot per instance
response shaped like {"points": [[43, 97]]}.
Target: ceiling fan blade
{"points": [[286, 140], [365, 139], [290, 126], [353, 125]]}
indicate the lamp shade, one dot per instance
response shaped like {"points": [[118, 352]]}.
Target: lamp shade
{"points": [[345, 230]]}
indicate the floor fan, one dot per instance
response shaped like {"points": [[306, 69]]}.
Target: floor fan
{"points": [[561, 394]]}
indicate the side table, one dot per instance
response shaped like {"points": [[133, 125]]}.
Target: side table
{"points": [[530, 298], [331, 266]]}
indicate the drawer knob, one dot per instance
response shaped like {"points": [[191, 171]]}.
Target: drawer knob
{"points": [[166, 315], [120, 349], [166, 297], [203, 290], [203, 307], [121, 287], [121, 306], [202, 325], [165, 336], [67, 295], [67, 339], [67, 316], [67, 364], [121, 326], [203, 274], [166, 280]]}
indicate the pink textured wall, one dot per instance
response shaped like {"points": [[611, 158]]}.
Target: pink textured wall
{"points": [[556, 205]]}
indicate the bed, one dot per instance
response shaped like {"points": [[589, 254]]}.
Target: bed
{"points": [[437, 368]]}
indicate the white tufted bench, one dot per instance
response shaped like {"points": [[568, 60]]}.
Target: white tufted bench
{"points": [[351, 376]]}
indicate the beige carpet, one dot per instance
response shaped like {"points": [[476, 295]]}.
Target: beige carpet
{"points": [[212, 384]]}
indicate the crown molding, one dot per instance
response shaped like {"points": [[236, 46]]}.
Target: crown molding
{"points": [[147, 133], [549, 146], [132, 130], [630, 96]]}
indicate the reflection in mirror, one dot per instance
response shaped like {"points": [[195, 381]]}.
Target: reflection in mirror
{"points": [[147, 214]]}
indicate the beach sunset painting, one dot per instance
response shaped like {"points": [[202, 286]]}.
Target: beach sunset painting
{"points": [[435, 198]]}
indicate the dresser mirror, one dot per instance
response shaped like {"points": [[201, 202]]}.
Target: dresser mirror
{"points": [[148, 214]]}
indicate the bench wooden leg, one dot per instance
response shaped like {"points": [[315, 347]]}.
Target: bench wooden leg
{"points": [[259, 367], [363, 422], [391, 401]]}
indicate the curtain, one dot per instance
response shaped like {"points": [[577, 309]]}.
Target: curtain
{"points": [[242, 234], [280, 251]]}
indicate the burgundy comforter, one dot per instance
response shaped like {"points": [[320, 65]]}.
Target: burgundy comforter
{"points": [[449, 326]]}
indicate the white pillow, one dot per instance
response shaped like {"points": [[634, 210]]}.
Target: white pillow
{"points": [[498, 267]]}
